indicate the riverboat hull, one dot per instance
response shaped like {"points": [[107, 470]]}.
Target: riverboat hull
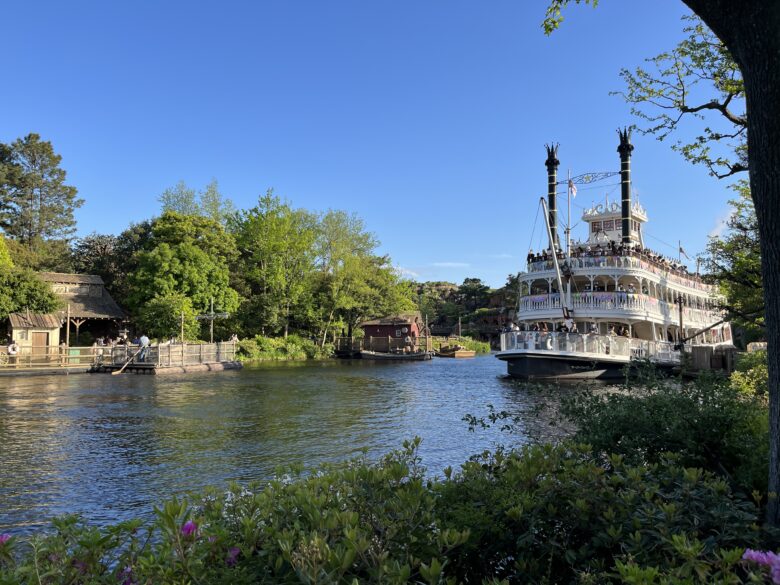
{"points": [[395, 357], [544, 366]]}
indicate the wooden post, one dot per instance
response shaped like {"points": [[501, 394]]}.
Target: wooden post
{"points": [[67, 327], [182, 326], [182, 351], [211, 323]]}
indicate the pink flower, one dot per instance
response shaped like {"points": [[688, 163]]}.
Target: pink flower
{"points": [[232, 557], [766, 558], [189, 528], [4, 538]]}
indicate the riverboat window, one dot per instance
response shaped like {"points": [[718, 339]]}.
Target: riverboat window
{"points": [[595, 226], [608, 224], [635, 225]]}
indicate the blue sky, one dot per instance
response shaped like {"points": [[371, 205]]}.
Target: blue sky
{"points": [[427, 119]]}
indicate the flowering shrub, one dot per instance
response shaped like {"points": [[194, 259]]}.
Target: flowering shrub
{"points": [[539, 515]]}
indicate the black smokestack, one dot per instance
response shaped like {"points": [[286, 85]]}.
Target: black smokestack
{"points": [[552, 163], [625, 149]]}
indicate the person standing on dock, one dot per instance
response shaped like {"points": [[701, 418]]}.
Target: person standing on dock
{"points": [[144, 342]]}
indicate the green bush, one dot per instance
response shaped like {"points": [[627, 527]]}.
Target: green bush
{"points": [[562, 515], [752, 374], [539, 515], [706, 422], [260, 348]]}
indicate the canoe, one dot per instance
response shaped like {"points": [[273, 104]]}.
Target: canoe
{"points": [[456, 351], [396, 357]]}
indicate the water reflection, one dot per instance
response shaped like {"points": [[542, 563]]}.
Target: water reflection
{"points": [[110, 447]]}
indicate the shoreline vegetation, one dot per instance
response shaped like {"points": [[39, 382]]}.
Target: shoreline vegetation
{"points": [[662, 482], [296, 348]]}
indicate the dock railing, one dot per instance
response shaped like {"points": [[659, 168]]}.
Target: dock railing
{"points": [[48, 356], [164, 355], [171, 354]]}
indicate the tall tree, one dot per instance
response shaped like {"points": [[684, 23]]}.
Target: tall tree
{"points": [[188, 255], [180, 199], [750, 31], [662, 96], [278, 259], [733, 262], [473, 293], [214, 205], [343, 246], [208, 203], [35, 202]]}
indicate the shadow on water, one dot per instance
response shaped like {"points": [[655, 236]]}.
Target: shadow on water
{"points": [[109, 447]]}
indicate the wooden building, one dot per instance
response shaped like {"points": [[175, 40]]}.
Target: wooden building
{"points": [[34, 333], [85, 301], [395, 327]]}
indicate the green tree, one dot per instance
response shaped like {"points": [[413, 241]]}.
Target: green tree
{"points": [[35, 203], [343, 249], [277, 258], [21, 289], [734, 263], [750, 31], [97, 254], [188, 255], [180, 199], [214, 205], [5, 255], [473, 294], [161, 317], [209, 203], [661, 95]]}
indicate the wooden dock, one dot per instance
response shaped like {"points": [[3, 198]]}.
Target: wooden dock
{"points": [[170, 358]]}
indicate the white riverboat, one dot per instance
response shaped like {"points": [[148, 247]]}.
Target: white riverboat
{"points": [[590, 307]]}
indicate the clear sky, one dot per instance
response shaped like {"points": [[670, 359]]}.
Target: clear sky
{"points": [[427, 119]]}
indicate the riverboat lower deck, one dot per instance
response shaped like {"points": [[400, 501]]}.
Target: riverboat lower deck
{"points": [[541, 355]]}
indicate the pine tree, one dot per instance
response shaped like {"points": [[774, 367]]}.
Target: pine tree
{"points": [[35, 203]]}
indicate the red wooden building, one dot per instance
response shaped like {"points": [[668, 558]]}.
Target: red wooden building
{"points": [[396, 326]]}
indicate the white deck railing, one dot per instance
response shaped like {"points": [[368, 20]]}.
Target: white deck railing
{"points": [[627, 262], [620, 301], [590, 343]]}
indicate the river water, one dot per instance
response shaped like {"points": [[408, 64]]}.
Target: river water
{"points": [[110, 447]]}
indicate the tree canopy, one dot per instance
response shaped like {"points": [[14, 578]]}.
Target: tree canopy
{"points": [[35, 202]]}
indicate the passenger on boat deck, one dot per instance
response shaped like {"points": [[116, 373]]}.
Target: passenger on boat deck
{"points": [[514, 327], [631, 289], [612, 330], [593, 328]]}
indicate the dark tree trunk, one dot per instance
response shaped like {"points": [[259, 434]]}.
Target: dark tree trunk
{"points": [[751, 31]]}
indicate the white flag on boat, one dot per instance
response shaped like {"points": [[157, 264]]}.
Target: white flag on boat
{"points": [[572, 188]]}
